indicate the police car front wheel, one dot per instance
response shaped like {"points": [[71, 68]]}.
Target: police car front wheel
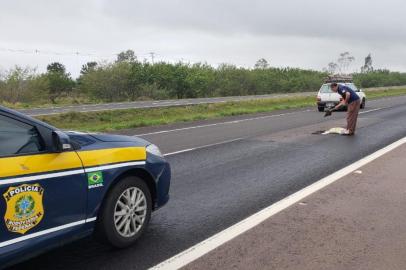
{"points": [[126, 212]]}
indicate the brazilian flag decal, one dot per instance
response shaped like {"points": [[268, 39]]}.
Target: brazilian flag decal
{"points": [[95, 179]]}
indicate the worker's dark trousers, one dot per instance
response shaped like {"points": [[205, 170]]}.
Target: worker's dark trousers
{"points": [[352, 116]]}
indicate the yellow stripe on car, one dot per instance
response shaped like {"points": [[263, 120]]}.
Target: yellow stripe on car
{"points": [[112, 155], [45, 163], [15, 166]]}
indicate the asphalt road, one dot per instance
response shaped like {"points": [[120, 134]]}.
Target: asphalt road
{"points": [[226, 170]]}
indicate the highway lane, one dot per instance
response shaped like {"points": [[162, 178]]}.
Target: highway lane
{"points": [[164, 103], [269, 157], [299, 122]]}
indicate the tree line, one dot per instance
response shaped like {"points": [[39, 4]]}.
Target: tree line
{"points": [[128, 79]]}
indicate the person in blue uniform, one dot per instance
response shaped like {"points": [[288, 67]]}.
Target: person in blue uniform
{"points": [[352, 101]]}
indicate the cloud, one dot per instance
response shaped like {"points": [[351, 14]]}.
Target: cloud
{"points": [[292, 32], [360, 19]]}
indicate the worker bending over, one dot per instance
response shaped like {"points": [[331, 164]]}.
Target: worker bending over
{"points": [[352, 101]]}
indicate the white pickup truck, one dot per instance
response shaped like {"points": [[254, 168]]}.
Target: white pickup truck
{"points": [[326, 98]]}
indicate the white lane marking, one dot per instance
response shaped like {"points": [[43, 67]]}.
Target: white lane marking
{"points": [[48, 231], [220, 123], [228, 234], [201, 147], [180, 151], [373, 110], [208, 145], [237, 121]]}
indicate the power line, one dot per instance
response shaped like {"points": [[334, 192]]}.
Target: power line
{"points": [[151, 55], [49, 52]]}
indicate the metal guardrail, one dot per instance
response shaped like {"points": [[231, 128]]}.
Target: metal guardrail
{"points": [[170, 103], [384, 87]]}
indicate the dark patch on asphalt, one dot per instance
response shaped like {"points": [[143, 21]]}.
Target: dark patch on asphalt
{"points": [[318, 132]]}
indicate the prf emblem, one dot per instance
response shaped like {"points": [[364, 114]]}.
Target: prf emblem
{"points": [[24, 207]]}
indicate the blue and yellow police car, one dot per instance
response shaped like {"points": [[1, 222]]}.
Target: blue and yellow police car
{"points": [[59, 186]]}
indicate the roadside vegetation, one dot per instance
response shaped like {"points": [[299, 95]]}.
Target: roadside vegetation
{"points": [[385, 93], [133, 118], [128, 79]]}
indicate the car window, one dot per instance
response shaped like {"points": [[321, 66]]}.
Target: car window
{"points": [[352, 86], [18, 138], [325, 88]]}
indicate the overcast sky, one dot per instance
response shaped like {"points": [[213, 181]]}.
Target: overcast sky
{"points": [[295, 33]]}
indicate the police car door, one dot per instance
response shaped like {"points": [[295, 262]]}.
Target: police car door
{"points": [[42, 193]]}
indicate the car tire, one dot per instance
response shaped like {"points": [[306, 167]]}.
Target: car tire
{"points": [[321, 109], [362, 106], [121, 221]]}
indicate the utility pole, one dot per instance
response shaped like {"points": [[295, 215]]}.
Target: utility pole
{"points": [[152, 56]]}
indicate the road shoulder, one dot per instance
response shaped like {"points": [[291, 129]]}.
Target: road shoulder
{"points": [[355, 223]]}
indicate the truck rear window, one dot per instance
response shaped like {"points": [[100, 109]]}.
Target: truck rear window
{"points": [[325, 88]]}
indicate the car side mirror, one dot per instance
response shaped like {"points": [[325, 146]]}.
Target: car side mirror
{"points": [[61, 141]]}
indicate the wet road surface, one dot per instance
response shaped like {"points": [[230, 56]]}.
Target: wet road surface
{"points": [[225, 170]]}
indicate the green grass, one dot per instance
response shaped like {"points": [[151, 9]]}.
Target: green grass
{"points": [[385, 93], [133, 118]]}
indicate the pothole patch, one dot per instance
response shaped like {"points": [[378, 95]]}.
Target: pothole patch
{"points": [[318, 132]]}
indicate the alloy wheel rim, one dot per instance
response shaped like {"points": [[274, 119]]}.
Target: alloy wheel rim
{"points": [[130, 212]]}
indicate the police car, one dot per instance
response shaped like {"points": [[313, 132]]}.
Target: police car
{"points": [[326, 98], [59, 186]]}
